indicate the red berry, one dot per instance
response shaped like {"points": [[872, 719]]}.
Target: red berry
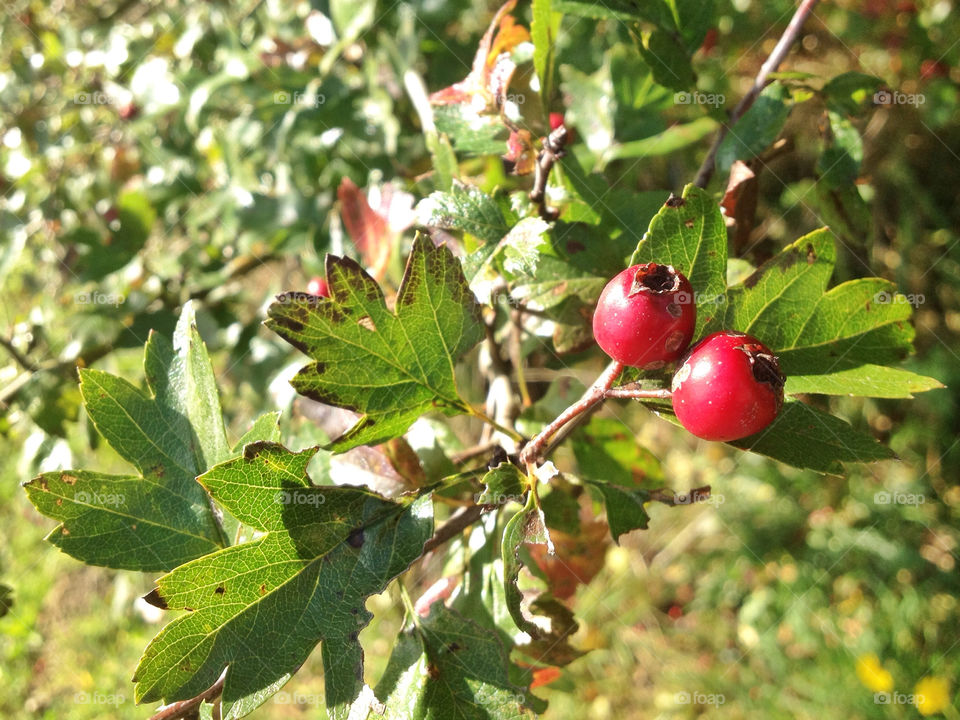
{"points": [[645, 316], [728, 387], [556, 120], [318, 286]]}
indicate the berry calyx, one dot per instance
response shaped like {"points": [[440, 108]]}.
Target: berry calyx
{"points": [[318, 286], [728, 387], [645, 316]]}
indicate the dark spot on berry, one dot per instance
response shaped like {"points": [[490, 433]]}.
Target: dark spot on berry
{"points": [[766, 369], [674, 341], [674, 309], [655, 278]]}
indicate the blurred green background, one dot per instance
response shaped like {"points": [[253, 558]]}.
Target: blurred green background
{"points": [[152, 152]]}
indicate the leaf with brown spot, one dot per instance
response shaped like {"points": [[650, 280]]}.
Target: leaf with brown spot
{"points": [[392, 367], [258, 609], [694, 241], [171, 431], [449, 666]]}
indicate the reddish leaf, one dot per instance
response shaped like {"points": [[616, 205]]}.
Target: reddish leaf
{"points": [[739, 202], [369, 231], [544, 676], [438, 592], [520, 152], [486, 85], [578, 558]]}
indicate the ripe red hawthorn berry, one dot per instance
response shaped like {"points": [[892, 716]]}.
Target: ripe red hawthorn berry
{"points": [[318, 286], [728, 387], [645, 316]]}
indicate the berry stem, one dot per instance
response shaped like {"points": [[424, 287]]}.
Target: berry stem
{"points": [[533, 450], [637, 393]]}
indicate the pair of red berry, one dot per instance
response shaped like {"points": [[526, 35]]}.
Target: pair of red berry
{"points": [[727, 387]]}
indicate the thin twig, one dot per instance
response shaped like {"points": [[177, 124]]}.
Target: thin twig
{"points": [[458, 522], [669, 497], [533, 450], [183, 709], [516, 356], [22, 360], [475, 451], [553, 150], [624, 391], [773, 62]]}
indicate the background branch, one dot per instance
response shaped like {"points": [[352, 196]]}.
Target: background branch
{"points": [[773, 62]]}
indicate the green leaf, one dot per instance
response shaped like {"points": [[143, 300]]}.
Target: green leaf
{"points": [[543, 32], [182, 378], [786, 305], [689, 233], [260, 608], [593, 112], [607, 450], [472, 134], [674, 138], [668, 59], [693, 19], [103, 252], [844, 210], [527, 526], [521, 246], [851, 93], [625, 507], [807, 438], [447, 666], [757, 129], [551, 632], [444, 159], [615, 9], [504, 483], [839, 165], [465, 208], [863, 380], [390, 366], [266, 428], [162, 518], [123, 522]]}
